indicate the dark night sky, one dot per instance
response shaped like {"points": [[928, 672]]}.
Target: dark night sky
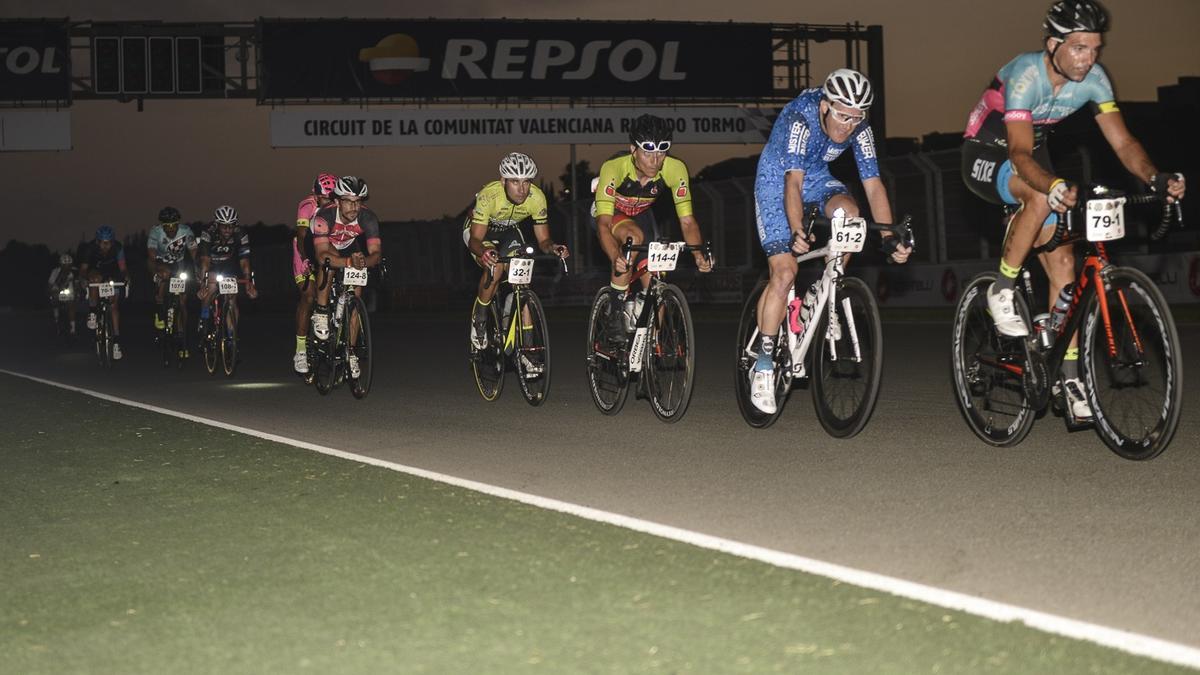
{"points": [[125, 165]]}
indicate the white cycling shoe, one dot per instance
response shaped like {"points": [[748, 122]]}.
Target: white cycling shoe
{"points": [[1004, 313], [300, 363], [320, 325], [116, 352], [762, 390], [91, 321], [1077, 399]]}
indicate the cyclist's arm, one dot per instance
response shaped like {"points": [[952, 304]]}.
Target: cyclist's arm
{"points": [[793, 200], [877, 197], [1020, 153], [1127, 148], [475, 243], [374, 252]]}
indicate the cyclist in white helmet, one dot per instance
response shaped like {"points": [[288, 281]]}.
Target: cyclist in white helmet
{"points": [[493, 229]]}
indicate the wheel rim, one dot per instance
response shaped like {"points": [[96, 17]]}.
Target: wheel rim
{"points": [[845, 389], [671, 357], [487, 364], [534, 345], [608, 378], [361, 347]]}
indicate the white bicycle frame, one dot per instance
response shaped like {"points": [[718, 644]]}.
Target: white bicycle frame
{"points": [[826, 297]]}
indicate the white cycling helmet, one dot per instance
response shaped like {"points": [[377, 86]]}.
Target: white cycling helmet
{"points": [[65, 259], [850, 88], [518, 166], [225, 215], [350, 186]]}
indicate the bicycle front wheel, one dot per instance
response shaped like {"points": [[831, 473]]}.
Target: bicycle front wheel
{"points": [[106, 341], [847, 359], [533, 351], [1135, 382], [671, 357], [360, 348], [208, 341], [228, 332], [987, 368], [607, 369], [487, 364]]}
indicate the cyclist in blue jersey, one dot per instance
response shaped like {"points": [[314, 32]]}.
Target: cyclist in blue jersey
{"points": [[793, 172], [1005, 159]]}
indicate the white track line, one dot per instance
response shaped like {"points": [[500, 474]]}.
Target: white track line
{"points": [[1134, 643]]}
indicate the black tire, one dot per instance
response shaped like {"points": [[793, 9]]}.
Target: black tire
{"points": [[180, 338], [1136, 395], [208, 344], [534, 345], [326, 369], [607, 367], [845, 391], [360, 347], [670, 365], [991, 399], [487, 364], [744, 361], [228, 337], [106, 343]]}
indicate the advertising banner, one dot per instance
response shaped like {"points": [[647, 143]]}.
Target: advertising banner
{"points": [[35, 61]]}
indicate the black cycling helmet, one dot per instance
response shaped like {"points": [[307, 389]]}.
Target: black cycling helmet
{"points": [[650, 128], [169, 214], [1075, 16]]}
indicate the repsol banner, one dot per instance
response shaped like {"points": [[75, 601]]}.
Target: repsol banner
{"points": [[34, 61], [432, 58], [333, 126]]}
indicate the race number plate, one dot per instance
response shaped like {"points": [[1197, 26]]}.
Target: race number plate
{"points": [[1105, 219], [227, 285], [178, 285], [663, 257], [353, 276], [849, 234], [520, 271], [107, 290]]}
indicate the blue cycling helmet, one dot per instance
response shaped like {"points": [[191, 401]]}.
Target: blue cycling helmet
{"points": [[105, 233]]}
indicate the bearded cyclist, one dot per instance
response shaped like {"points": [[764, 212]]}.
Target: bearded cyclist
{"points": [[793, 171], [304, 262], [1005, 158], [494, 228], [626, 188], [169, 248]]}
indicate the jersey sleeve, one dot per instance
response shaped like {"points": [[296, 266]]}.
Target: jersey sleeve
{"points": [[205, 241], [537, 205], [485, 203], [319, 226], [305, 212], [1020, 90], [1101, 97], [864, 153], [243, 244], [154, 241], [370, 226], [606, 188], [190, 237], [675, 173]]}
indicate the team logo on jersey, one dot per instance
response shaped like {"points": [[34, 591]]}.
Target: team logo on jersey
{"points": [[798, 138], [866, 143], [394, 58], [610, 190], [832, 153], [681, 191], [653, 190]]}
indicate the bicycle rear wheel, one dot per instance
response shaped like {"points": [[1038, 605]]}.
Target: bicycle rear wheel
{"points": [[360, 347], [533, 351], [745, 359], [847, 359], [227, 331], [671, 367], [1135, 393], [487, 364], [105, 343], [607, 369], [986, 369]]}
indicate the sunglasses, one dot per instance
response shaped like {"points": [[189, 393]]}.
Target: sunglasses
{"points": [[844, 118], [651, 146], [173, 223]]}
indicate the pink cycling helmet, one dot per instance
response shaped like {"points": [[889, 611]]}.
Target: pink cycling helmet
{"points": [[324, 184]]}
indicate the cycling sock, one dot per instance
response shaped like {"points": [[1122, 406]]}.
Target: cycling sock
{"points": [[301, 344], [1070, 365], [618, 288], [1008, 276], [766, 353]]}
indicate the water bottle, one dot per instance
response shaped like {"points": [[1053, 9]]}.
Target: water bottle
{"points": [[1058, 315], [341, 307], [806, 307], [631, 311], [1041, 328]]}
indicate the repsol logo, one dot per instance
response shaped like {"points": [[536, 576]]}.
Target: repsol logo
{"points": [[627, 60], [25, 60], [983, 170]]}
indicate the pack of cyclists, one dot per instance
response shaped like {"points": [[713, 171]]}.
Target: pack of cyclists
{"points": [[1004, 161]]}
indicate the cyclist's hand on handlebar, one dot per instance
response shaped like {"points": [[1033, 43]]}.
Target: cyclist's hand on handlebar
{"points": [[1062, 196], [358, 260], [251, 289], [703, 263], [800, 245], [561, 251], [619, 265], [1175, 185], [489, 257]]}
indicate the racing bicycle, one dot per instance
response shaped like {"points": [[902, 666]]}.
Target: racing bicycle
{"points": [[346, 354], [105, 339], [219, 332]]}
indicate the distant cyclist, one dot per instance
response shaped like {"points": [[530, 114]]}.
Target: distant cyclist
{"points": [[626, 189], [63, 278], [793, 173], [304, 257], [169, 249], [105, 261], [494, 228], [224, 251], [1005, 158]]}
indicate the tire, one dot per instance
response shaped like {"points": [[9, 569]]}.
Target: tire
{"points": [[326, 369], [744, 362], [845, 391], [671, 356], [106, 343], [607, 367], [1135, 395], [487, 364], [179, 334], [534, 346], [208, 344], [360, 347], [228, 337], [991, 399]]}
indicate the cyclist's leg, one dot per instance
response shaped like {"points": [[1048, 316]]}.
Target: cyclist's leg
{"points": [[302, 274], [623, 227]]}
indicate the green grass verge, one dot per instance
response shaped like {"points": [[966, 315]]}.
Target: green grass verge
{"points": [[132, 542]]}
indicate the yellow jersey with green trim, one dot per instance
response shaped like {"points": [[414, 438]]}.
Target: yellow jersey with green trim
{"points": [[618, 187], [493, 208]]}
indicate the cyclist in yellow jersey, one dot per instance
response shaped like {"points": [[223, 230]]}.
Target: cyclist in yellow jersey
{"points": [[494, 229], [629, 185]]}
